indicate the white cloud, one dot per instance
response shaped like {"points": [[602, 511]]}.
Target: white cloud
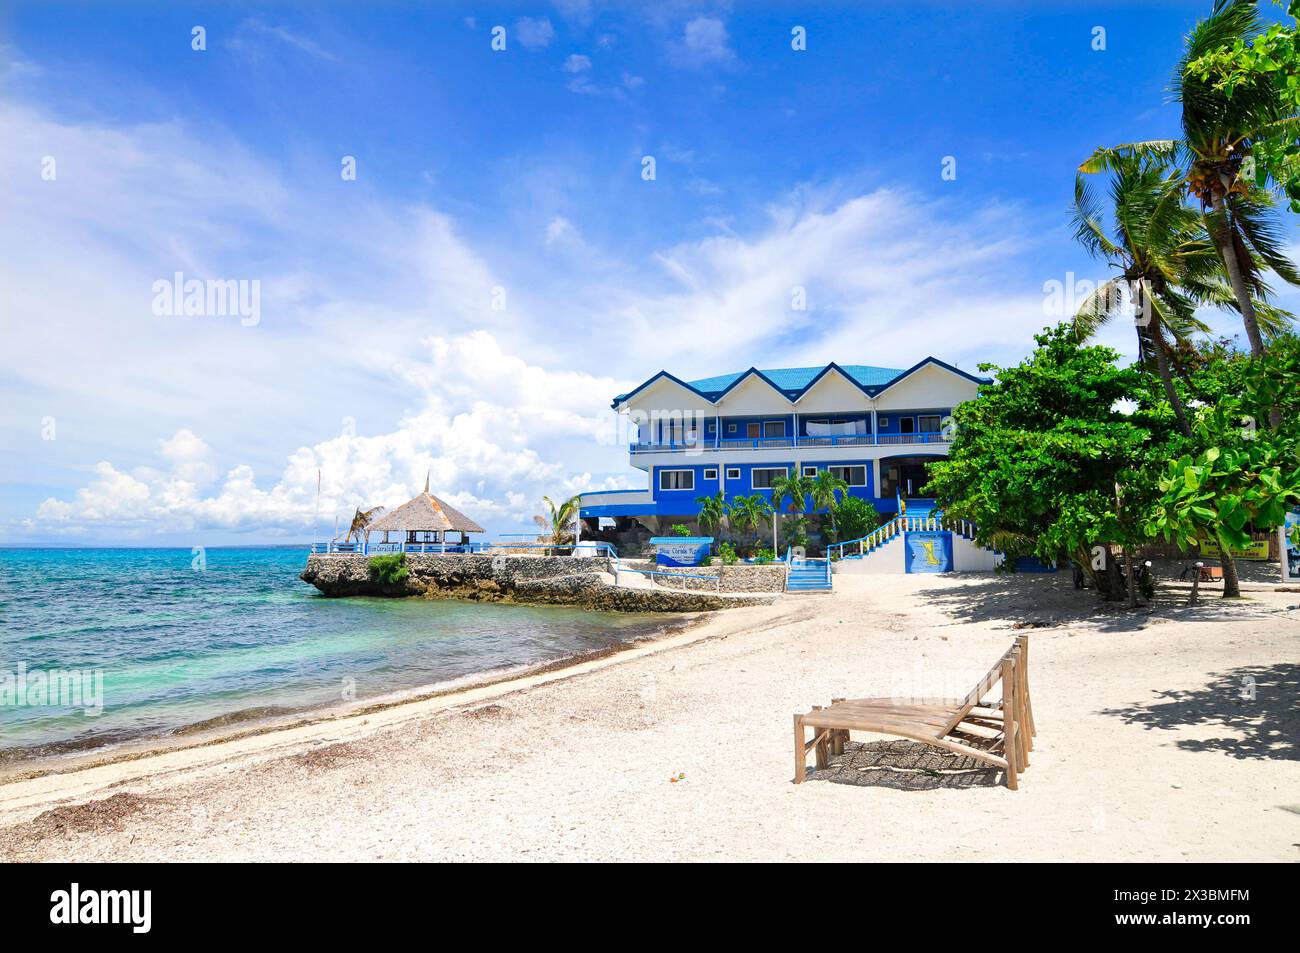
{"points": [[188, 424], [492, 432], [577, 63], [704, 42], [534, 33]]}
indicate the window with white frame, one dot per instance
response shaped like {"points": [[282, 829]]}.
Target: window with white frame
{"points": [[928, 423], [774, 428], [676, 479], [733, 473], [710, 473], [853, 476], [810, 471], [731, 428], [884, 422], [761, 478]]}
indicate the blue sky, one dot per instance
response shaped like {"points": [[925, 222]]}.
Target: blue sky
{"points": [[381, 349]]}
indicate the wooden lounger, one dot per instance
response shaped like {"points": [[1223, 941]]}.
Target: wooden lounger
{"points": [[1000, 733]]}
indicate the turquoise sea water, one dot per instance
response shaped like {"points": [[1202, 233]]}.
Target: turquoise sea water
{"points": [[177, 646]]}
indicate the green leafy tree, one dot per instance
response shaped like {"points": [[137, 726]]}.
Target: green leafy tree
{"points": [[1038, 456], [855, 517], [1220, 493]]}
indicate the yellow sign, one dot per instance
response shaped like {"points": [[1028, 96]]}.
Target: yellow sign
{"points": [[1258, 549]]}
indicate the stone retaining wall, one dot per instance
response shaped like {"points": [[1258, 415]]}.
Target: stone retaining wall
{"points": [[550, 580], [739, 577]]}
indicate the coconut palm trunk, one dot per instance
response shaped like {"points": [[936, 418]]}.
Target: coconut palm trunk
{"points": [[1156, 334], [1161, 348], [1232, 265]]}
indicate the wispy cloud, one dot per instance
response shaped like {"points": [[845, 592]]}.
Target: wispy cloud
{"points": [[253, 37], [382, 353]]}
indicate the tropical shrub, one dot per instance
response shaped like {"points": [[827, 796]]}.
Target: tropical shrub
{"points": [[855, 517], [764, 556], [727, 553], [389, 569], [681, 529]]}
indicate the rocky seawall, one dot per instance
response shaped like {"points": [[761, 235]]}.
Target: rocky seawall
{"points": [[738, 577], [534, 580]]}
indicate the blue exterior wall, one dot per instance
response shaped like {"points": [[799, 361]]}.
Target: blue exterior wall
{"points": [[893, 417], [682, 502]]}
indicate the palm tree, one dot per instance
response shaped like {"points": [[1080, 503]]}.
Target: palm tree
{"points": [[1218, 133], [794, 487], [745, 513], [713, 510], [360, 520], [556, 522], [1163, 256], [823, 490]]}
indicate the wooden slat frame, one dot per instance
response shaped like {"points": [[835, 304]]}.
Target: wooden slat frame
{"points": [[999, 732]]}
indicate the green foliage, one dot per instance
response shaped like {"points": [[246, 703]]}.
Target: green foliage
{"points": [[727, 553], [747, 513], [389, 569], [764, 556], [1037, 456], [1239, 474], [1258, 75], [680, 529], [855, 517], [793, 487], [825, 489], [557, 523], [713, 510]]}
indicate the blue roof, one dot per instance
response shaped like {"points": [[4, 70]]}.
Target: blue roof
{"points": [[797, 378], [795, 381]]}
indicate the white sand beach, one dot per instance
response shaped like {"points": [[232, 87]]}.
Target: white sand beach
{"points": [[1164, 737]]}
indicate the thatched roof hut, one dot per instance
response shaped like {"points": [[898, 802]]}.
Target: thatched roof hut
{"points": [[424, 514]]}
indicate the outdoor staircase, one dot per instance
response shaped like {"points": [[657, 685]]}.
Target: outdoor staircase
{"points": [[808, 575]]}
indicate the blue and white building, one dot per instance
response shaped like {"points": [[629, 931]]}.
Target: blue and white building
{"points": [[877, 427]]}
